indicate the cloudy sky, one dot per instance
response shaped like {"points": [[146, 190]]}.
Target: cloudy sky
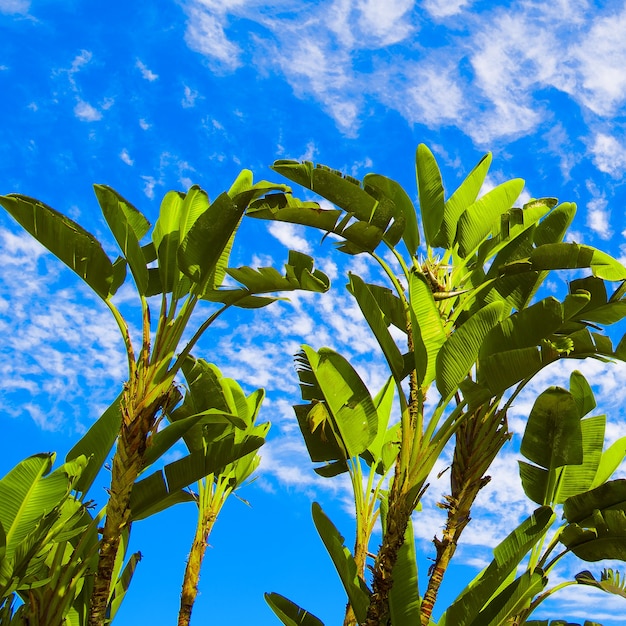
{"points": [[148, 97]]}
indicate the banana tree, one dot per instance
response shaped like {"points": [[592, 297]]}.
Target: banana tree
{"points": [[212, 396], [184, 262], [48, 543], [567, 470], [464, 294]]}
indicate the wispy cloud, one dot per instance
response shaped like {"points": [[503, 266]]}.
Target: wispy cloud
{"points": [[86, 112], [484, 79], [290, 235], [609, 154], [189, 98], [598, 215], [148, 74], [126, 157], [14, 6]]}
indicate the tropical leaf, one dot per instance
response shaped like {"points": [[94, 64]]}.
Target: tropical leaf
{"points": [[68, 241], [610, 495], [460, 351], [377, 322], [404, 214], [555, 256], [299, 274], [289, 613], [29, 492], [553, 436], [430, 193], [348, 408], [462, 198], [128, 226], [610, 460], [428, 331], [404, 597], [602, 536], [96, 444], [356, 589], [611, 581], [507, 556], [164, 488], [477, 221], [512, 600], [576, 479], [202, 246]]}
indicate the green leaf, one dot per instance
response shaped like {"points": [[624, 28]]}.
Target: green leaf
{"points": [[583, 394], [200, 249], [73, 245], [430, 193], [122, 585], [462, 198], [166, 238], [508, 554], [168, 436], [428, 331], [384, 404], [376, 320], [512, 600], [29, 492], [610, 581], [152, 495], [553, 435], [606, 539], [611, 459], [163, 488], [477, 221], [553, 228], [404, 597], [353, 416], [579, 478], [344, 192], [128, 226], [556, 256], [405, 211], [96, 444], [289, 613], [612, 494], [460, 351], [356, 589]]}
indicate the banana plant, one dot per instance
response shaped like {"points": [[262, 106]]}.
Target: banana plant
{"points": [[228, 415], [184, 262], [566, 468], [464, 292], [48, 543]]}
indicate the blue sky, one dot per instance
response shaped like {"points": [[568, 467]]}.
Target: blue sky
{"points": [[148, 97]]}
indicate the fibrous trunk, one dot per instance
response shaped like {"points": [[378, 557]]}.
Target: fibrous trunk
{"points": [[137, 423]]}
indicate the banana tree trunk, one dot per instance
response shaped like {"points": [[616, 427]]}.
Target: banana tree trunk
{"points": [[194, 563], [137, 423]]}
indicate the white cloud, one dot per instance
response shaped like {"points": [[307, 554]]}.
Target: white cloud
{"points": [[126, 157], [387, 21], [14, 6], [599, 57], [609, 155], [145, 72], [598, 218], [290, 235], [143, 124], [86, 112], [445, 8], [149, 184], [189, 99], [205, 34], [486, 78]]}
